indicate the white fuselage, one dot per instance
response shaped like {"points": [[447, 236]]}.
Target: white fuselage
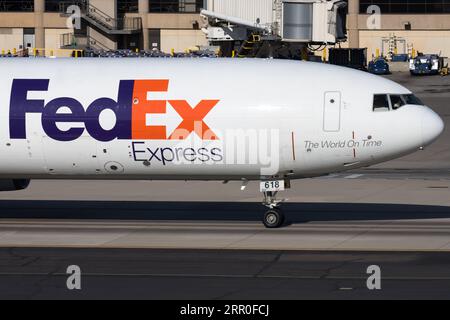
{"points": [[198, 119]]}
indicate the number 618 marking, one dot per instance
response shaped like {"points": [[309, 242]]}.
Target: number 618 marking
{"points": [[277, 185]]}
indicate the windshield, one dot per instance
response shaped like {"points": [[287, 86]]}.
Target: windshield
{"points": [[397, 101], [412, 99], [387, 102], [380, 102]]}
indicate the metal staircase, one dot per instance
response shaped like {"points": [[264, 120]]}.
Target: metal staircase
{"points": [[71, 41], [104, 22], [96, 44], [250, 47]]}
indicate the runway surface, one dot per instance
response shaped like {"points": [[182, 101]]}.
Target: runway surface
{"points": [[221, 275], [204, 240], [311, 226]]}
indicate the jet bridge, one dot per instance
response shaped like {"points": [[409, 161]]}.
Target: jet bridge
{"points": [[271, 27]]}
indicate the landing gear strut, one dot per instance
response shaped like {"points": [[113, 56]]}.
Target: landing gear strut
{"points": [[274, 217]]}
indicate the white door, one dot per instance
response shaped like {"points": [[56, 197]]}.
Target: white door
{"points": [[29, 42], [332, 111]]}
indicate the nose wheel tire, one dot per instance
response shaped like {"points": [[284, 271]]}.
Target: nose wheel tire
{"points": [[273, 218]]}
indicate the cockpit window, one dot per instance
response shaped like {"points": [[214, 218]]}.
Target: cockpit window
{"points": [[386, 102], [380, 102], [396, 101], [412, 99]]}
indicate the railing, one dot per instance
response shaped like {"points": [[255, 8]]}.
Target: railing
{"points": [[22, 53], [126, 23], [102, 18], [14, 53], [95, 44], [67, 39]]}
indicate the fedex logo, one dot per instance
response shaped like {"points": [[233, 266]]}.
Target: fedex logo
{"points": [[131, 109]]}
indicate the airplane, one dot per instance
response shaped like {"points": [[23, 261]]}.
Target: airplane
{"points": [[244, 120]]}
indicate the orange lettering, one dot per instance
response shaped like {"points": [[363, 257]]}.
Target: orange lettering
{"points": [[193, 119], [142, 107]]}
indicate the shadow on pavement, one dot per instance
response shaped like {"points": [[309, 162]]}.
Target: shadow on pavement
{"points": [[214, 211]]}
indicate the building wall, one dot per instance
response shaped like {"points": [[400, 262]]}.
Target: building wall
{"points": [[172, 20], [430, 33], [16, 20], [11, 38], [54, 20], [177, 29], [421, 40], [26, 20], [53, 36], [417, 21], [180, 40]]}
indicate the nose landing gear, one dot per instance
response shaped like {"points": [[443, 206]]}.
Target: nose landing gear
{"points": [[274, 217]]}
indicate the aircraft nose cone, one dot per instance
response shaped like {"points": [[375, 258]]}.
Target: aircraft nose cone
{"points": [[432, 126]]}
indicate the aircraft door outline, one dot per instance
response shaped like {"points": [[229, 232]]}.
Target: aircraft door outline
{"points": [[332, 111]]}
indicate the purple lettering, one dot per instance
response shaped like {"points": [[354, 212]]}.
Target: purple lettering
{"points": [[50, 117], [19, 105]]}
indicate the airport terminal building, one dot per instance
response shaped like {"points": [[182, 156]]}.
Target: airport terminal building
{"points": [[420, 24], [116, 24], [423, 25]]}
